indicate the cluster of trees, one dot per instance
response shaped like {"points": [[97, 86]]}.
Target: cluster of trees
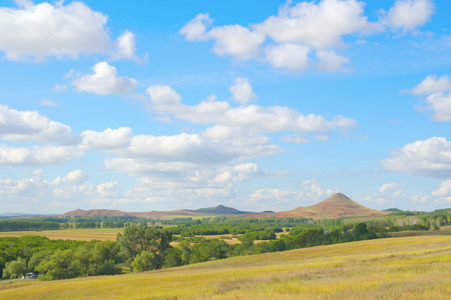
{"points": [[27, 224], [139, 248]]}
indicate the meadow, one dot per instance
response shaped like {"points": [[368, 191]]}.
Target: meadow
{"points": [[394, 268], [101, 234]]}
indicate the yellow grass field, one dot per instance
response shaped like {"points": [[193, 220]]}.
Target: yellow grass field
{"points": [[71, 234], [394, 268]]}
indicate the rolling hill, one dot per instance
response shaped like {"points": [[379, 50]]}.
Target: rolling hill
{"points": [[395, 268], [218, 210], [334, 207]]}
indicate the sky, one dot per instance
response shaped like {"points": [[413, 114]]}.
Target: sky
{"points": [[257, 105]]}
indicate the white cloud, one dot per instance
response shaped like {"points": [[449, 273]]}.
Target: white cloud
{"points": [[312, 192], [293, 57], [237, 41], [37, 31], [330, 61], [104, 81], [38, 155], [125, 46], [47, 102], [317, 26], [438, 99], [75, 177], [315, 191], [444, 190], [408, 15], [287, 39], [163, 95], [395, 189], [234, 135], [196, 28], [390, 187], [431, 85], [440, 105], [234, 40], [191, 148], [109, 139], [242, 91], [22, 126], [431, 157], [250, 117]]}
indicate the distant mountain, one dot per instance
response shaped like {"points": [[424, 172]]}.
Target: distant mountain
{"points": [[218, 210], [334, 207]]}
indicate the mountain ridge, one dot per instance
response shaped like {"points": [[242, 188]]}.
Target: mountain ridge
{"points": [[336, 206]]}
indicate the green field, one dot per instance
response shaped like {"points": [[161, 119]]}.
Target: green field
{"points": [[395, 268]]}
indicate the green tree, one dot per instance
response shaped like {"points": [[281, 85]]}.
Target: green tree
{"points": [[15, 268], [137, 239], [145, 261], [59, 266], [37, 257]]}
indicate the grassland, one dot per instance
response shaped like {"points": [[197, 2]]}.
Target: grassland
{"points": [[102, 234], [395, 268]]}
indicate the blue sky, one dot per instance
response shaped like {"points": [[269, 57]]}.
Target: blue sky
{"points": [[259, 105]]}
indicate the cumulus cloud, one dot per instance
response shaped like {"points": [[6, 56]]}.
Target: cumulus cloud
{"points": [[440, 105], [242, 91], [234, 135], [196, 28], [191, 148], [317, 26], [38, 31], [163, 95], [237, 41], [308, 28], [164, 100], [391, 188], [431, 85], [31, 194], [408, 15], [312, 192], [37, 155], [125, 46], [431, 157], [234, 40], [293, 57], [330, 61], [438, 100], [22, 126], [105, 81], [109, 139], [444, 190]]}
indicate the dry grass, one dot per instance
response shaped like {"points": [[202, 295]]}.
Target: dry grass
{"points": [[70, 234], [396, 268]]}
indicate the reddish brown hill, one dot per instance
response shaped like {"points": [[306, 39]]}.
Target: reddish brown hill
{"points": [[334, 207]]}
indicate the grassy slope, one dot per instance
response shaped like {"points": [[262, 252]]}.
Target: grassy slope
{"points": [[396, 268]]}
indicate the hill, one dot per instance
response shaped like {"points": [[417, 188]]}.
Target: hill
{"points": [[336, 206], [218, 210], [395, 268]]}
